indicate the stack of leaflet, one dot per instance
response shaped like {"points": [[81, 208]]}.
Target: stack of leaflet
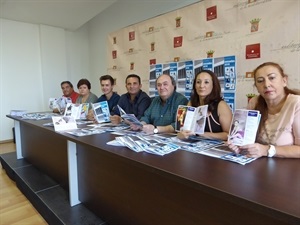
{"points": [[109, 127], [197, 145], [213, 148], [17, 112], [150, 145], [85, 132], [37, 116]]}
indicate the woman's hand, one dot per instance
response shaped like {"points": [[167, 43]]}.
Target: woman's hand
{"points": [[233, 148], [255, 150], [184, 134]]}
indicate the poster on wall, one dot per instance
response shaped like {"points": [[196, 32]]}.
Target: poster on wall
{"points": [[174, 70], [230, 74], [229, 98], [189, 70], [182, 35], [185, 72], [208, 64]]}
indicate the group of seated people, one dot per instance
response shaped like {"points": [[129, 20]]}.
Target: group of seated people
{"points": [[279, 129]]}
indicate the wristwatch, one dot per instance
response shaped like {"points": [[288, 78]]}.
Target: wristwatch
{"points": [[155, 131], [271, 151]]}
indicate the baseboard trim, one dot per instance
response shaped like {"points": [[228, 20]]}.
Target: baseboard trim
{"points": [[7, 141]]}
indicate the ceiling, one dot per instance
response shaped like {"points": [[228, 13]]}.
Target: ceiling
{"points": [[67, 14]]}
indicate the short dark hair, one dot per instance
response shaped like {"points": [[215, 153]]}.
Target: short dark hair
{"points": [[107, 77], [82, 82], [67, 82], [134, 76]]}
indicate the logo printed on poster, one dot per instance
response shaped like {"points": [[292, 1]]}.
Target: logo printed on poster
{"points": [[178, 21], [152, 46], [152, 61], [131, 35], [211, 13], [249, 75], [210, 54], [254, 24], [209, 34], [114, 54], [253, 51], [176, 59], [132, 66], [178, 41]]}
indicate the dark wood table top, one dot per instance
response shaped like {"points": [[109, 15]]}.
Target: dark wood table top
{"points": [[270, 185]]}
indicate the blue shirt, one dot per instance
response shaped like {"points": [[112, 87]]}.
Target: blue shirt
{"points": [[162, 115], [137, 107], [112, 102]]}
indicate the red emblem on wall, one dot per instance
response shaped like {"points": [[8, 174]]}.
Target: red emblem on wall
{"points": [[253, 51], [211, 13], [152, 61], [114, 54], [131, 36], [178, 41]]}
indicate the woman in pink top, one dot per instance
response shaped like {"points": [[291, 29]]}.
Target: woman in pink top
{"points": [[279, 128]]}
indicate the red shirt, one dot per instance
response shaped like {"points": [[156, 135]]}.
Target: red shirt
{"points": [[73, 96]]}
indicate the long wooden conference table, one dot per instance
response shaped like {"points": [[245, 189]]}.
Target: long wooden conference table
{"points": [[125, 187]]}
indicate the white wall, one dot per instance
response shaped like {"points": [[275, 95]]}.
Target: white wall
{"points": [[20, 75], [78, 56], [34, 59]]}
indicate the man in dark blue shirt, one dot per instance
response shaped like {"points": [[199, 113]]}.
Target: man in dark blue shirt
{"points": [[135, 101]]}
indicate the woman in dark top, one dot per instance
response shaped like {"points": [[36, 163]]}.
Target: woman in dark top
{"points": [[207, 91]]}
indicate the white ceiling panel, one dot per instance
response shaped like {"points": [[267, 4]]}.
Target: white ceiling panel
{"points": [[67, 14]]}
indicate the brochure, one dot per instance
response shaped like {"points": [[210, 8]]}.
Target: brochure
{"points": [[62, 123], [59, 103], [129, 118], [164, 145], [16, 112], [141, 143], [101, 111], [244, 127], [77, 111], [38, 116], [191, 118]]}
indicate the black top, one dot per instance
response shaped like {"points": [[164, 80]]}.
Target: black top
{"points": [[212, 121]]}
